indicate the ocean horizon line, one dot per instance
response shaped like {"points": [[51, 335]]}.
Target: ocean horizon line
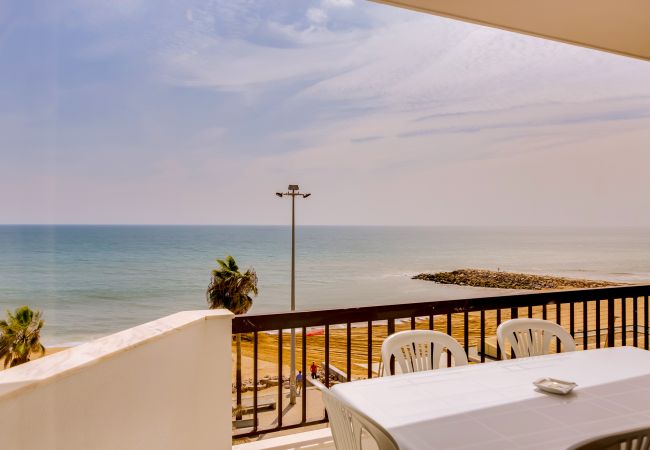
{"points": [[285, 225]]}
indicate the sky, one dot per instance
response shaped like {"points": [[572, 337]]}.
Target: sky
{"points": [[197, 112]]}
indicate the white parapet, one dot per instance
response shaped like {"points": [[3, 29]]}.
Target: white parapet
{"points": [[165, 384]]}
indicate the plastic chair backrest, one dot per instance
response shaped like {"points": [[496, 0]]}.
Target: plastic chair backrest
{"points": [[347, 423], [636, 439], [532, 337], [418, 350]]}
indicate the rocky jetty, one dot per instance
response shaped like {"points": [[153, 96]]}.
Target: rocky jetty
{"points": [[509, 280]]}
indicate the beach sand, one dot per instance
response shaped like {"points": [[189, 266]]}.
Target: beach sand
{"points": [[268, 343], [48, 351]]}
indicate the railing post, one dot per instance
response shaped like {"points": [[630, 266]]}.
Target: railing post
{"points": [[482, 343], [255, 356], [369, 349], [303, 390], [498, 319], [466, 332], [635, 321], [327, 356], [610, 323], [391, 327], [238, 415], [623, 321], [514, 313], [585, 325], [390, 330], [646, 315], [348, 351], [598, 328], [449, 333], [280, 381]]}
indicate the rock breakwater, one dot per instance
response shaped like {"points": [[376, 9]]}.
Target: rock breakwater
{"points": [[509, 280]]}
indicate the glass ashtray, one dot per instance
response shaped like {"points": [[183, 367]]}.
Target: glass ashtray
{"points": [[555, 386]]}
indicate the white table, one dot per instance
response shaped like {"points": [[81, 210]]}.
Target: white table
{"points": [[496, 406]]}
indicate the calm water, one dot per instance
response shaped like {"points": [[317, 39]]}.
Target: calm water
{"points": [[93, 280]]}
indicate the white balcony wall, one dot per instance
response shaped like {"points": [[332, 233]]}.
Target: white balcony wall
{"points": [[162, 385]]}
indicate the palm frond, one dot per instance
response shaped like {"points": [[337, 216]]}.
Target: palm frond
{"points": [[20, 336], [229, 288]]}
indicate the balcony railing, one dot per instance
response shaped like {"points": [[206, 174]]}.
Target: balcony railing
{"points": [[346, 342]]}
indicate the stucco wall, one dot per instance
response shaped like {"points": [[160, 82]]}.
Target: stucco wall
{"points": [[161, 385]]}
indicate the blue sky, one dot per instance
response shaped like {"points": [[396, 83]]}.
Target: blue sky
{"points": [[136, 111]]}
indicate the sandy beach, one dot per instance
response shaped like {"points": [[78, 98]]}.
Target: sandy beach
{"points": [[48, 351], [268, 343]]}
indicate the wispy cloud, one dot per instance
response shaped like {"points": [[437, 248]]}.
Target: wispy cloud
{"points": [[138, 105], [366, 139]]}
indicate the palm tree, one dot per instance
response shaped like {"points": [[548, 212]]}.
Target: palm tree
{"points": [[20, 336], [231, 289]]}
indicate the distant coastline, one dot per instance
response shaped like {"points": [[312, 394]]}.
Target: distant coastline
{"points": [[510, 280]]}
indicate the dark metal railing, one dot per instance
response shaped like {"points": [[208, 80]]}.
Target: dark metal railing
{"points": [[471, 321]]}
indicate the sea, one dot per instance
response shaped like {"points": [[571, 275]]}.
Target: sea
{"points": [[90, 281]]}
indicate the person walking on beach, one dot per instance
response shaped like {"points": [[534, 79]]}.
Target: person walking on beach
{"points": [[313, 368], [299, 382]]}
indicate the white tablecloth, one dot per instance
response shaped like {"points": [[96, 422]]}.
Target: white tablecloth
{"points": [[496, 406]]}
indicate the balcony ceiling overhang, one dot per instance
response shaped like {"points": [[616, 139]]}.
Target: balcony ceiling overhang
{"points": [[616, 26]]}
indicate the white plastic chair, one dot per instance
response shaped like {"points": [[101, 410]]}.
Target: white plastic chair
{"points": [[637, 439], [532, 337], [347, 423], [418, 350]]}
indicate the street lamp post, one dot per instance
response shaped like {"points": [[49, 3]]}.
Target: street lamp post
{"points": [[293, 193]]}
